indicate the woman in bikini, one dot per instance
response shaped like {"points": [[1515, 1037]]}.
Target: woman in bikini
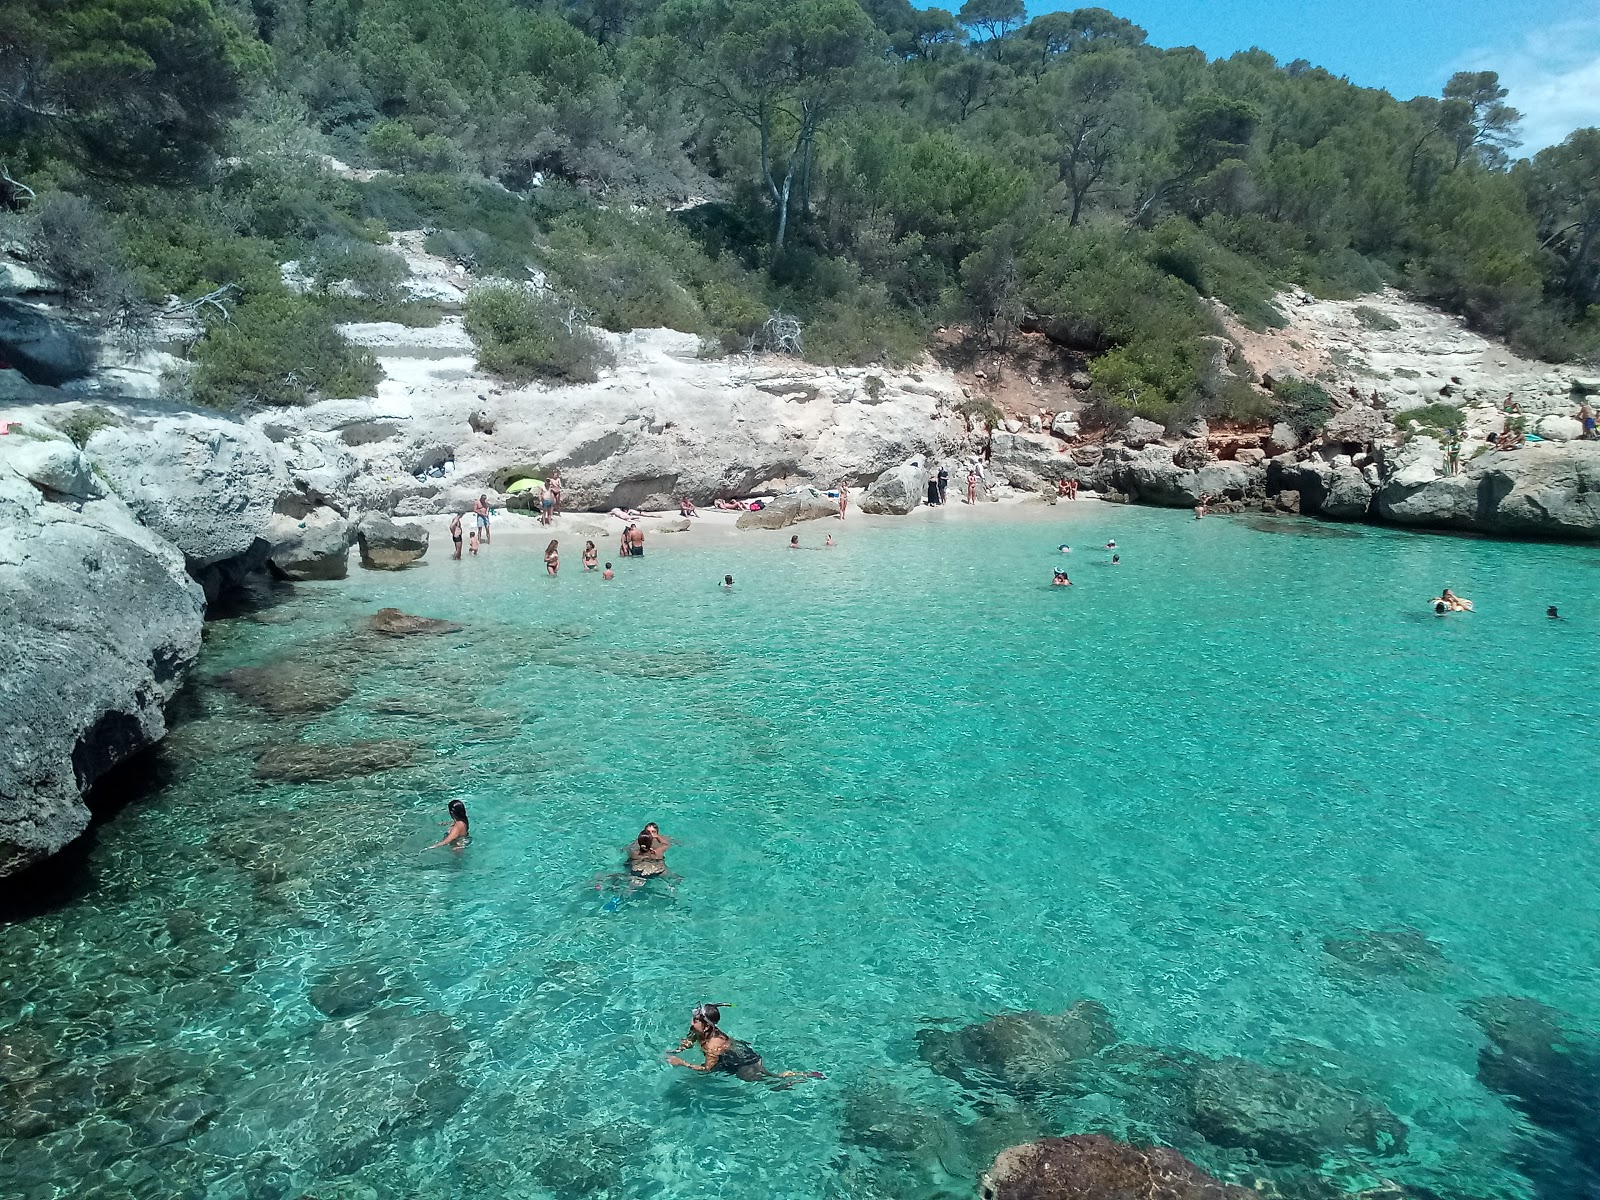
{"points": [[591, 556], [551, 558], [726, 1055], [459, 834]]}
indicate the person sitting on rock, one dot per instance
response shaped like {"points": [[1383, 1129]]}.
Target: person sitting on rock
{"points": [[686, 507]]}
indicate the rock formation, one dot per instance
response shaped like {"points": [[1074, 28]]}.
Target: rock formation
{"points": [[1093, 1167], [388, 545]]}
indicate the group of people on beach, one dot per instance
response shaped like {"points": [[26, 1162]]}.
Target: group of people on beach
{"points": [[478, 531]]}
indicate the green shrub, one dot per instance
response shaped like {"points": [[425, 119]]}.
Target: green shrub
{"points": [[1436, 418], [1372, 318], [81, 424], [376, 273], [395, 145], [278, 349], [1303, 405], [523, 335], [863, 329]]}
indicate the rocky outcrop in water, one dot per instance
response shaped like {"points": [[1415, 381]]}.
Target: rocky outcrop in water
{"points": [[315, 546], [389, 545], [1093, 1167], [101, 621], [1545, 489], [391, 622]]}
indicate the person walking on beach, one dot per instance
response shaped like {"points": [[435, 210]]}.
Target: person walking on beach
{"points": [[555, 492], [591, 556], [552, 558], [459, 832], [972, 485], [480, 508], [726, 1055], [844, 500], [944, 483], [455, 534]]}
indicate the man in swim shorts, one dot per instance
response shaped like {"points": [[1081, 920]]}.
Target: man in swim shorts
{"points": [[636, 542], [480, 508]]}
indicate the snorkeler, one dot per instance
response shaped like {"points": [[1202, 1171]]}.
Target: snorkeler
{"points": [[724, 1054], [459, 829], [1061, 580]]}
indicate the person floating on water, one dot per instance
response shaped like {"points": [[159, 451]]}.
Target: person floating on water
{"points": [[1061, 579], [459, 834], [1448, 601], [726, 1055], [1112, 544]]}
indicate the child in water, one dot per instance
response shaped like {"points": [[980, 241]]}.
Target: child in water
{"points": [[607, 573], [472, 542]]}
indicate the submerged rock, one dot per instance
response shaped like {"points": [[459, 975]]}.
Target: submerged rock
{"points": [[1093, 1167], [307, 762], [1402, 952], [1022, 1049], [347, 990], [290, 688], [1285, 1117], [391, 622]]}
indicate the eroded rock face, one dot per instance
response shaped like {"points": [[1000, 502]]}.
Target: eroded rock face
{"points": [[204, 483], [388, 545], [1093, 1167], [1285, 1117], [1544, 489], [101, 621], [316, 546], [1028, 461], [44, 348]]}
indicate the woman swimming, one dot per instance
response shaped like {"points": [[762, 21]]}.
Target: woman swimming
{"points": [[726, 1055], [459, 834]]}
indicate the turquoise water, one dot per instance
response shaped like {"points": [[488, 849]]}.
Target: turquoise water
{"points": [[914, 786]]}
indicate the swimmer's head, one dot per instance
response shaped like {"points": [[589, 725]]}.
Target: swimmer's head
{"points": [[458, 810], [1551, 611], [1116, 558], [728, 580], [706, 1015], [795, 540]]}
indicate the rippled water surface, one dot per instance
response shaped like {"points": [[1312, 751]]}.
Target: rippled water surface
{"points": [[1241, 790]]}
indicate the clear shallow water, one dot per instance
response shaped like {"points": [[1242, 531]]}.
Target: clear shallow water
{"points": [[915, 786]]}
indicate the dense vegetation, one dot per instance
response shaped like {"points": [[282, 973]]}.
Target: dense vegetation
{"points": [[873, 171]]}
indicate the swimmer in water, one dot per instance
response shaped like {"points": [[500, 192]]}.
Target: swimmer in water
{"points": [[459, 829], [1452, 601], [1064, 548], [726, 1055], [794, 542], [1061, 580], [607, 573], [1553, 614], [727, 583], [1116, 560], [647, 856], [828, 541], [591, 556], [1112, 544]]}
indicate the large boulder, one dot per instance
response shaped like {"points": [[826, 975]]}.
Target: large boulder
{"points": [[387, 545], [1348, 495], [898, 490], [57, 468], [1309, 478], [1091, 1166], [1154, 479], [101, 621], [315, 547], [1027, 461], [1139, 433], [802, 504], [1359, 426], [1547, 489], [1285, 1117], [41, 346], [1283, 439], [205, 483]]}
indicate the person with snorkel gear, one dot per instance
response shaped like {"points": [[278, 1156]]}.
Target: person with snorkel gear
{"points": [[727, 1055]]}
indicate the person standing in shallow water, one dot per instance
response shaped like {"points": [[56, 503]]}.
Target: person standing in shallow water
{"points": [[552, 558], [636, 542], [455, 534], [591, 556], [726, 1055], [459, 834]]}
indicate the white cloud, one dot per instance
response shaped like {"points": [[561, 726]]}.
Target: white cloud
{"points": [[1553, 77]]}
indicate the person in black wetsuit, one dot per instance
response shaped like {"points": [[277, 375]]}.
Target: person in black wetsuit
{"points": [[724, 1054]]}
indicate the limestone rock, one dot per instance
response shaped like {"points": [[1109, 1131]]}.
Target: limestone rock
{"points": [[205, 483], [305, 762], [316, 547], [1348, 496], [56, 468], [1309, 479], [1065, 425], [1193, 454], [802, 504], [1138, 433], [1250, 456], [480, 421], [1286, 1117], [673, 525], [391, 622], [1282, 440], [101, 621], [1358, 425], [43, 347], [1281, 372], [898, 490], [1548, 489], [1027, 461], [1093, 1167], [387, 545], [1558, 428], [1587, 384], [1156, 480]]}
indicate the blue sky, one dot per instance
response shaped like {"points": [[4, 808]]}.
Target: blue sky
{"points": [[1547, 51]]}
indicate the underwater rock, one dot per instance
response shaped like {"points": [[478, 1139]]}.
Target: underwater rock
{"points": [[577, 1164], [1093, 1167], [288, 689], [1021, 1049], [1404, 952], [391, 622], [1547, 1070], [1285, 1117], [306, 762], [347, 990]]}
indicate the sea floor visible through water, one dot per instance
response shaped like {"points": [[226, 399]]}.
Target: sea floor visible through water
{"points": [[1316, 857]]}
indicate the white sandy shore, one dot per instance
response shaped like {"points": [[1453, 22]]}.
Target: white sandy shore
{"points": [[521, 528]]}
